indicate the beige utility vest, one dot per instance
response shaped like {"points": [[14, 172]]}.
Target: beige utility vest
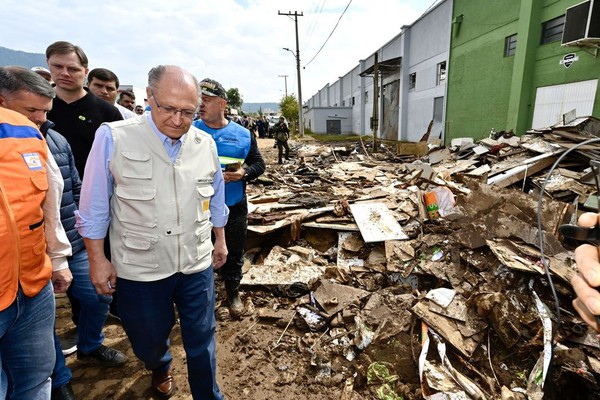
{"points": [[160, 217]]}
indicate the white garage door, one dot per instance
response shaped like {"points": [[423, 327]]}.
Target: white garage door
{"points": [[551, 102]]}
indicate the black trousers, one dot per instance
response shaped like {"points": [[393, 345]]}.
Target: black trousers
{"points": [[235, 238], [281, 144]]}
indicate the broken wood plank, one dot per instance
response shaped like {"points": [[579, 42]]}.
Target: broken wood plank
{"points": [[527, 168]]}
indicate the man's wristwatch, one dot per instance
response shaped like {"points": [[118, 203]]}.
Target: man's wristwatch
{"points": [[245, 175]]}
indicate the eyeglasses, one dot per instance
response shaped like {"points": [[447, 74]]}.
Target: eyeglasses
{"points": [[172, 111]]}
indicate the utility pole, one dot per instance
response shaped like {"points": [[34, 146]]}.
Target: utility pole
{"points": [[375, 119], [300, 116], [284, 77]]}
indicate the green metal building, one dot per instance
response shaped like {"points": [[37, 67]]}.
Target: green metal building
{"points": [[509, 70]]}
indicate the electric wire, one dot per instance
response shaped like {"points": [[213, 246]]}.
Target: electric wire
{"points": [[312, 26], [430, 7], [540, 233], [328, 37]]}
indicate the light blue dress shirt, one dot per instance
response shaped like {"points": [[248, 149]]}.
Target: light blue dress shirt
{"points": [[93, 216]]}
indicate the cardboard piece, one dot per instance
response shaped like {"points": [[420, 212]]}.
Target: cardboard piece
{"points": [[376, 222]]}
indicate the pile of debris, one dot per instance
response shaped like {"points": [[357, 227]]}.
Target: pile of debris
{"points": [[368, 276]]}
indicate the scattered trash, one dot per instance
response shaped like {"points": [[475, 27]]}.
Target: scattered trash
{"points": [[352, 228]]}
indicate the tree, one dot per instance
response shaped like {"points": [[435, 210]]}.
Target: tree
{"points": [[234, 98], [289, 108]]}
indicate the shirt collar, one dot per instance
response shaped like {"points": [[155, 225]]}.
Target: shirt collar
{"points": [[161, 136]]}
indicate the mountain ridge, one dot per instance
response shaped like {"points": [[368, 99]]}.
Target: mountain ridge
{"points": [[30, 60]]}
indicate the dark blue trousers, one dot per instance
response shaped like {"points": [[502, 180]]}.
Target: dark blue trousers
{"points": [[148, 316]]}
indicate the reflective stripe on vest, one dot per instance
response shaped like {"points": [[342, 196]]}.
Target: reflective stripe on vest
{"points": [[233, 145], [23, 187]]}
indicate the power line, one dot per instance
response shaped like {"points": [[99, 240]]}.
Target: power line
{"points": [[328, 37], [313, 25]]}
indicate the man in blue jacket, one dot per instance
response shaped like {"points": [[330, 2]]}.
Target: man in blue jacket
{"points": [[31, 95], [241, 162]]}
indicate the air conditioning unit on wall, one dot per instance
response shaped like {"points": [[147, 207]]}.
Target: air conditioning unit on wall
{"points": [[582, 25]]}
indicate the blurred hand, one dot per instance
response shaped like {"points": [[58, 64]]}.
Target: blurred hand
{"points": [[234, 176], [61, 280], [103, 276], [220, 253], [586, 282]]}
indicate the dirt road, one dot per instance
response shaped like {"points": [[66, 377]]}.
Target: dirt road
{"points": [[255, 360]]}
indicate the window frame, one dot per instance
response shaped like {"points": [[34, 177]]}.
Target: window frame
{"points": [[442, 70], [412, 82], [552, 30], [510, 45]]}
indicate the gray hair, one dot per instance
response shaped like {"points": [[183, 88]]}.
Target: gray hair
{"points": [[19, 79], [157, 73]]}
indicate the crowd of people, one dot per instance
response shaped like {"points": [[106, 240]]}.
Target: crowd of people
{"points": [[81, 213]]}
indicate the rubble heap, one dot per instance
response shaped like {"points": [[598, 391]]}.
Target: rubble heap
{"points": [[377, 298]]}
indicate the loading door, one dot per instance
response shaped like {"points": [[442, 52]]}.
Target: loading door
{"points": [[334, 126], [551, 102]]}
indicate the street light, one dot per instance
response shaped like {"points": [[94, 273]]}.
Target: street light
{"points": [[297, 56]]}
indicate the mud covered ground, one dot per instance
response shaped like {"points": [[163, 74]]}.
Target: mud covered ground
{"points": [[369, 347], [255, 361]]}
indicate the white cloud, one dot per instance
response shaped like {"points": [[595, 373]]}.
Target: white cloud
{"points": [[238, 43]]}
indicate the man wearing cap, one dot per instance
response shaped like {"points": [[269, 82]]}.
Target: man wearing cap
{"points": [[44, 73], [241, 162], [282, 135], [156, 181]]}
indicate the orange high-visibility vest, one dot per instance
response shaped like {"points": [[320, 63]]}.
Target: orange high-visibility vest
{"points": [[23, 187]]}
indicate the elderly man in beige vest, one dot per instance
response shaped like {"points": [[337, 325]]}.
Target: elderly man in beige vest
{"points": [[157, 182]]}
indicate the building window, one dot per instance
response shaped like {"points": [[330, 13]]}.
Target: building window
{"points": [[552, 30], [510, 45], [412, 81], [366, 96], [343, 103], [353, 101], [441, 72]]}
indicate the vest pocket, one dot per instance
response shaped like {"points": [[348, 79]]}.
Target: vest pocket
{"points": [[204, 193], [137, 165], [136, 205], [140, 249], [204, 244], [34, 251], [40, 182]]}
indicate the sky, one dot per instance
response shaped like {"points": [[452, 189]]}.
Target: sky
{"points": [[236, 42]]}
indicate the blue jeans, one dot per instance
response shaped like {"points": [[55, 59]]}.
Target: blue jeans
{"points": [[26, 352], [94, 309], [148, 316]]}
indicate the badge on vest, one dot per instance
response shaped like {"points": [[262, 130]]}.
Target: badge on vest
{"points": [[33, 161]]}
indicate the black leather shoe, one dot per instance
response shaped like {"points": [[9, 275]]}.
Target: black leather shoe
{"points": [[64, 392], [105, 356]]}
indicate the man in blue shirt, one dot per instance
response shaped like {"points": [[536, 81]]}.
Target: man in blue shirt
{"points": [[157, 182], [241, 162]]}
